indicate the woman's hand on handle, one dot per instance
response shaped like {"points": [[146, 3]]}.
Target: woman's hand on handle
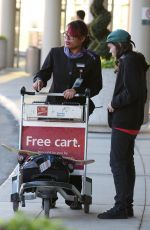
{"points": [[38, 85], [69, 93]]}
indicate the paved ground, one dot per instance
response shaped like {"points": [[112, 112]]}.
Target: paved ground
{"points": [[103, 188], [8, 134]]}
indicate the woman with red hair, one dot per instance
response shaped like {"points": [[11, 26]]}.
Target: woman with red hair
{"points": [[66, 64]]}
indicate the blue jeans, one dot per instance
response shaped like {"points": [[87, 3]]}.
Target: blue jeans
{"points": [[122, 167]]}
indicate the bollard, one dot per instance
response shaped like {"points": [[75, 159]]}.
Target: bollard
{"points": [[3, 52], [33, 56]]}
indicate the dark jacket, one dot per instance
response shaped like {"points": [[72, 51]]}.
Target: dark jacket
{"points": [[65, 71], [130, 92]]}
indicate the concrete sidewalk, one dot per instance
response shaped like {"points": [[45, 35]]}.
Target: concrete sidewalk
{"points": [[103, 187]]}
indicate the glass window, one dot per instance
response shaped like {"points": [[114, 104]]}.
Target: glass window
{"points": [[120, 14]]}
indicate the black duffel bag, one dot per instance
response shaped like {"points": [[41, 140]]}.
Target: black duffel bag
{"points": [[45, 167]]}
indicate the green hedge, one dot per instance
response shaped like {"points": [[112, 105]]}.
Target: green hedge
{"points": [[22, 222], [108, 63], [2, 37]]}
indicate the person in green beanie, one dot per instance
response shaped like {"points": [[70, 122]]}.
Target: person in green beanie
{"points": [[125, 117]]}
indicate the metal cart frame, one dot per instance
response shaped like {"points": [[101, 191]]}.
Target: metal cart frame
{"points": [[45, 189]]}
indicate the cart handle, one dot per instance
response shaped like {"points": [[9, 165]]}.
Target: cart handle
{"points": [[23, 92]]}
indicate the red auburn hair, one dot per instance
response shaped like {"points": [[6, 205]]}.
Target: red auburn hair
{"points": [[78, 29]]}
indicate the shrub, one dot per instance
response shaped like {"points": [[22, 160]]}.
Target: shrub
{"points": [[98, 29], [108, 63], [22, 222], [2, 37]]}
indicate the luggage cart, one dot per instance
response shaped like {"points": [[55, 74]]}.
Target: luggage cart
{"points": [[52, 129]]}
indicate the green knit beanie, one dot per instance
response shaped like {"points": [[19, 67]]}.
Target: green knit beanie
{"points": [[118, 36]]}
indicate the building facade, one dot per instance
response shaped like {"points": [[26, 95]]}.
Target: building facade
{"points": [[40, 23]]}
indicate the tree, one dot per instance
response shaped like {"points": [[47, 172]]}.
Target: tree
{"points": [[98, 29]]}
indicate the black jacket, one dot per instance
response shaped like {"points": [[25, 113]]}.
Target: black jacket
{"points": [[65, 71], [130, 92]]}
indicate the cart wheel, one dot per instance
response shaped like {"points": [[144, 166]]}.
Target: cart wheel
{"points": [[86, 208], [46, 204], [15, 206]]}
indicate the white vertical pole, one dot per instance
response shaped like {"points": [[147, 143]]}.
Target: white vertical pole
{"points": [[7, 25], [140, 34], [51, 34]]}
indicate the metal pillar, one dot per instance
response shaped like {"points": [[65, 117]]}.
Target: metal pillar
{"points": [[51, 35], [140, 33], [7, 25]]}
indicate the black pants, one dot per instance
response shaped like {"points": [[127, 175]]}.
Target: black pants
{"points": [[122, 166]]}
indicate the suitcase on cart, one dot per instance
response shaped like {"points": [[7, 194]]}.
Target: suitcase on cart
{"points": [[53, 146]]}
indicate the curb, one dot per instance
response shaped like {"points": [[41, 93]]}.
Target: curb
{"points": [[10, 106], [13, 109]]}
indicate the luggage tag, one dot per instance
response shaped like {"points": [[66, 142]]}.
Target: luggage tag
{"points": [[44, 166]]}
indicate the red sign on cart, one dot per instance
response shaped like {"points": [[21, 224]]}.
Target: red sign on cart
{"points": [[66, 141], [42, 110]]}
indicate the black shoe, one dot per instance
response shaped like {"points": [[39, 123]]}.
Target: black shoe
{"points": [[113, 213], [76, 206], [130, 212]]}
